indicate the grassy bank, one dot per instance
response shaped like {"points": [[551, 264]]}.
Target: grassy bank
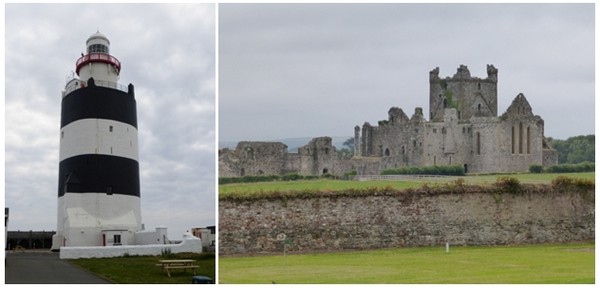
{"points": [[556, 263], [143, 270], [265, 188]]}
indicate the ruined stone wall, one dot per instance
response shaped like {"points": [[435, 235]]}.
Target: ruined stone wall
{"points": [[471, 96], [318, 157], [464, 129], [479, 140], [370, 222], [253, 158]]}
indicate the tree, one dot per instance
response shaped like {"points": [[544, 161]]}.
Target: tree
{"points": [[346, 153], [575, 149], [581, 149], [349, 143]]}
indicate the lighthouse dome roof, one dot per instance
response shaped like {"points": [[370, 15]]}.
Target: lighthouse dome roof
{"points": [[98, 38]]}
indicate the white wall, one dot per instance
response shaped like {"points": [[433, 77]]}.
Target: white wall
{"points": [[151, 237], [189, 244]]}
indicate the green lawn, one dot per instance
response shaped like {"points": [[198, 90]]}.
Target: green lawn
{"points": [[548, 263], [338, 185], [143, 270], [319, 184]]}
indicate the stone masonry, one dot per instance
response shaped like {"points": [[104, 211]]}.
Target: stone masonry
{"points": [[338, 223], [463, 129]]}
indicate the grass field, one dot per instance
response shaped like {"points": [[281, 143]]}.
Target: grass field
{"points": [[143, 270], [338, 185], [551, 263], [555, 263]]}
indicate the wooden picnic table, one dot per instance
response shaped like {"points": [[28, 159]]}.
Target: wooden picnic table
{"points": [[184, 264]]}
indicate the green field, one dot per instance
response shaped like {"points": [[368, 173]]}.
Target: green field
{"points": [[143, 270], [339, 185], [549, 263]]}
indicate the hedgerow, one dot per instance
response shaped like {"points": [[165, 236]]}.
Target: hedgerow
{"points": [[270, 178], [503, 185], [564, 168], [452, 170]]}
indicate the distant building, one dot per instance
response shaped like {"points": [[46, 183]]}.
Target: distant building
{"points": [[464, 129], [29, 239], [207, 235]]}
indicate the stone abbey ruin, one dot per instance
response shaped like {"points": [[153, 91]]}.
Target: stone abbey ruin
{"points": [[463, 129]]}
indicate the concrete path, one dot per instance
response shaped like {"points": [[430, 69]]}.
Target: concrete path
{"points": [[45, 268]]}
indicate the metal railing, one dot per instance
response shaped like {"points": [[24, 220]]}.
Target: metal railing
{"points": [[97, 57], [75, 84]]}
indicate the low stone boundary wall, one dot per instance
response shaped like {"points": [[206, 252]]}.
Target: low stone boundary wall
{"points": [[189, 244], [330, 223]]}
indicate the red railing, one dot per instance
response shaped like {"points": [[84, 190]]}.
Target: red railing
{"points": [[97, 57]]}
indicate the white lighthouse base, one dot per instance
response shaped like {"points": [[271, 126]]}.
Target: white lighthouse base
{"points": [[96, 219], [189, 244]]}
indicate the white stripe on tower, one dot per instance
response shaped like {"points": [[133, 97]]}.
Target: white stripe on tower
{"points": [[99, 136]]}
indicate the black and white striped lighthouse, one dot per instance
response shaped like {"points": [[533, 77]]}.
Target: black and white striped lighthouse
{"points": [[98, 181]]}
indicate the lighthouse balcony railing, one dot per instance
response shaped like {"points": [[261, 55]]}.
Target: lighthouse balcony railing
{"points": [[75, 84], [97, 57]]}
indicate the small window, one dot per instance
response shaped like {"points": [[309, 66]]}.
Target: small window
{"points": [[116, 239], [97, 48], [478, 144], [110, 128], [62, 134]]}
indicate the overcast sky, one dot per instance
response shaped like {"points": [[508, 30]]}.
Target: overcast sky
{"points": [[310, 70], [167, 52]]}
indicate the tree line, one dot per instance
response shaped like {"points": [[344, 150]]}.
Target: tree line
{"points": [[575, 149]]}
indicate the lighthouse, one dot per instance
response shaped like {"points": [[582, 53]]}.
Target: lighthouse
{"points": [[98, 179]]}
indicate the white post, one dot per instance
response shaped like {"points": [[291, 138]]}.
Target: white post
{"points": [[447, 247]]}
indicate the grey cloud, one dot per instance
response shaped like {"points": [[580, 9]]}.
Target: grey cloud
{"points": [[167, 52], [305, 70]]}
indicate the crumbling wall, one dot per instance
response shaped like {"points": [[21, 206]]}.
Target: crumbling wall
{"points": [[464, 129], [318, 157], [381, 221], [253, 158]]}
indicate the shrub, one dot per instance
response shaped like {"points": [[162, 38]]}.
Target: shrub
{"points": [[577, 183], [454, 170], [508, 184], [328, 176], [291, 177], [571, 168], [536, 168], [166, 253]]}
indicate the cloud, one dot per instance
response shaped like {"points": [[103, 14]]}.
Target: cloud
{"points": [[167, 52], [300, 70]]}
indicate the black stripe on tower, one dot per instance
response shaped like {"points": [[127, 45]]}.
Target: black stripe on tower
{"points": [[97, 102], [97, 173]]}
